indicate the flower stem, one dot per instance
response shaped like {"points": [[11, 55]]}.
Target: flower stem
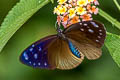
{"points": [[116, 3], [109, 18]]}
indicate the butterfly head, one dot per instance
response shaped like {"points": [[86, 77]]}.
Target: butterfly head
{"points": [[60, 33]]}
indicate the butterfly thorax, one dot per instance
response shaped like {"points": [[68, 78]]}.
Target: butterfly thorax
{"points": [[60, 34]]}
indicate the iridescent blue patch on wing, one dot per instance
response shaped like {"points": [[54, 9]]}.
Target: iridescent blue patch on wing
{"points": [[74, 50], [36, 54]]}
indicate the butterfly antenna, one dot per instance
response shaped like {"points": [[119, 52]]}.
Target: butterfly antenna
{"points": [[57, 26]]}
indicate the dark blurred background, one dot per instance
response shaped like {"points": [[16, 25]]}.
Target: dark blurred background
{"points": [[42, 24]]}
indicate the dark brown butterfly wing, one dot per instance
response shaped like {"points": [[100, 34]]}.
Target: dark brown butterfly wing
{"points": [[61, 55], [88, 36]]}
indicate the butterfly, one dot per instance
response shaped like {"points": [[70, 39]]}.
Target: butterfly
{"points": [[67, 48]]}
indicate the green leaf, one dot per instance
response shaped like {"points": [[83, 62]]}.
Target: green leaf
{"points": [[113, 45], [52, 1], [112, 20], [19, 14], [117, 4]]}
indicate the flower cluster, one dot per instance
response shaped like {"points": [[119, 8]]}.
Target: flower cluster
{"points": [[73, 11]]}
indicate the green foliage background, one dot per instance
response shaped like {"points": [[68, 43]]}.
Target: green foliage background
{"points": [[42, 24]]}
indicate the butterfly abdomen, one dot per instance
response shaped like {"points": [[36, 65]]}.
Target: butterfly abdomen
{"points": [[74, 50]]}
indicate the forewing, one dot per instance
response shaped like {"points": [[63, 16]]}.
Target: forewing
{"points": [[61, 55], [88, 36], [36, 55]]}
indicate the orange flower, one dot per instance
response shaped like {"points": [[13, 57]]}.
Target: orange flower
{"points": [[59, 19], [89, 7], [86, 17], [75, 20], [73, 11], [65, 19], [92, 9]]}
